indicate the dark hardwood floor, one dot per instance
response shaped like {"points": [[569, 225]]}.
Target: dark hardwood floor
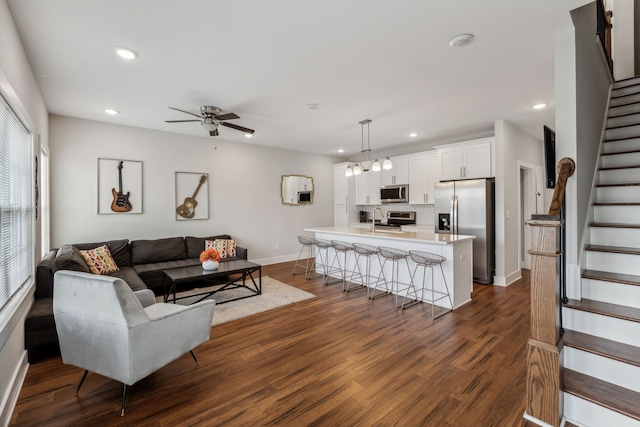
{"points": [[335, 360]]}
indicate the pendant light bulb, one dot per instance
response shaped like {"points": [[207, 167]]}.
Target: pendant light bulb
{"points": [[349, 171], [387, 164], [357, 169], [375, 166]]}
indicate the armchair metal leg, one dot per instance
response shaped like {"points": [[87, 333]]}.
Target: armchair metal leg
{"points": [[81, 381], [124, 394], [194, 357]]}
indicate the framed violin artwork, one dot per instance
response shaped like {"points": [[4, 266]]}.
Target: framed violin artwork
{"points": [[192, 196], [119, 186]]}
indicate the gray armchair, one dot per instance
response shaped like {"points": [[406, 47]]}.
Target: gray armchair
{"points": [[106, 328]]}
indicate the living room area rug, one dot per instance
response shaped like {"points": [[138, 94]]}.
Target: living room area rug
{"points": [[274, 294]]}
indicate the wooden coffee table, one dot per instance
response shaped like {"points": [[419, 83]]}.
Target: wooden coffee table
{"points": [[220, 276]]}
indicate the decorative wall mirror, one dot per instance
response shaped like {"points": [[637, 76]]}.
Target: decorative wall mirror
{"points": [[296, 190]]}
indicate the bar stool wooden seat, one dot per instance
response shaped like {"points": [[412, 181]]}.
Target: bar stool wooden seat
{"points": [[340, 248], [427, 260], [389, 285], [364, 280], [307, 244]]}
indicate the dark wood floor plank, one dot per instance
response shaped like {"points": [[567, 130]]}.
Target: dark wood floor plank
{"points": [[337, 359]]}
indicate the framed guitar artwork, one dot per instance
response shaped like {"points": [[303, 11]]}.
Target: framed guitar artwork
{"points": [[192, 196], [119, 186]]}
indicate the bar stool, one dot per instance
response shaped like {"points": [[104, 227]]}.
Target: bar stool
{"points": [[428, 260], [340, 248], [395, 256], [307, 243], [367, 251], [323, 256]]}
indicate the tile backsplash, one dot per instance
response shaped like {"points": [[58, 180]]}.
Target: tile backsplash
{"points": [[424, 213]]}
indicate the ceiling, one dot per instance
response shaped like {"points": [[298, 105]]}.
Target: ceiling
{"points": [[267, 60]]}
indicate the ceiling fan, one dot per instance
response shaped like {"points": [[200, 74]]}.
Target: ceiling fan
{"points": [[211, 117]]}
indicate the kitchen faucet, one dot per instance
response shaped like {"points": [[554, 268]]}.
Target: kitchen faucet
{"points": [[373, 218]]}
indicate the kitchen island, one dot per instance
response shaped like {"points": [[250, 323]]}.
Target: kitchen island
{"points": [[457, 249]]}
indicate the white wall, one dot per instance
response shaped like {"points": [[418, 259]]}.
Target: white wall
{"points": [[622, 38], [244, 187], [18, 84], [512, 145]]}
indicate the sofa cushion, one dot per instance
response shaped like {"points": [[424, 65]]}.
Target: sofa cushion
{"points": [[119, 250], [99, 260], [40, 317], [159, 250], [69, 257], [195, 245], [129, 275]]}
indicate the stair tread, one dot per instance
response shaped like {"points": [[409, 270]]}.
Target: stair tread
{"points": [[621, 352], [631, 314], [624, 184], [620, 139], [614, 225], [620, 152], [622, 126], [607, 276], [616, 204], [611, 396], [613, 249], [612, 168]]}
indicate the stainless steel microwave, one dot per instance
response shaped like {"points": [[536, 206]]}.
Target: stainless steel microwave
{"points": [[394, 193]]}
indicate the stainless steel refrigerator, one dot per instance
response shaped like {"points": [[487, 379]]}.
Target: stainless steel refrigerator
{"points": [[467, 207]]}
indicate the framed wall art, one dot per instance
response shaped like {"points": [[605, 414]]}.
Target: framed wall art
{"points": [[119, 186], [192, 196]]}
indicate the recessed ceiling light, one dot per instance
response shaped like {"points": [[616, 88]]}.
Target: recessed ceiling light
{"points": [[111, 111], [125, 52], [413, 134], [341, 151], [538, 106], [461, 40], [313, 106]]}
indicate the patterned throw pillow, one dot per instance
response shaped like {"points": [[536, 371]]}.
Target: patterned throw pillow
{"points": [[225, 247], [99, 260]]}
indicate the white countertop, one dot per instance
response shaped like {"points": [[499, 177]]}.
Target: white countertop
{"points": [[443, 239]]}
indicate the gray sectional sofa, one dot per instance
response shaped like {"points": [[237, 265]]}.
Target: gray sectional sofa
{"points": [[140, 264]]}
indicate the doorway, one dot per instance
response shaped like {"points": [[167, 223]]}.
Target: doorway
{"points": [[528, 204]]}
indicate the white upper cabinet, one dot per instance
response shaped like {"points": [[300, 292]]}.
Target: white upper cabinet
{"points": [[399, 173], [368, 188], [471, 159], [340, 184], [423, 174]]}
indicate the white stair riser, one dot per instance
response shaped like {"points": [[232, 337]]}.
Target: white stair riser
{"points": [[612, 262], [611, 292], [622, 214], [620, 160], [608, 236], [622, 145], [623, 91], [615, 102], [607, 327], [603, 368], [620, 176], [632, 119], [584, 413], [626, 132], [626, 82], [621, 194], [624, 110]]}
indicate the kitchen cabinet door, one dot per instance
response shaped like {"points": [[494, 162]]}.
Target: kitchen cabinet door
{"points": [[368, 188], [340, 184], [398, 174], [423, 174]]}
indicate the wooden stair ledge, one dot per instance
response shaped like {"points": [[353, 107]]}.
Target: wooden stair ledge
{"points": [[615, 350], [611, 396], [607, 276], [614, 225], [606, 309], [613, 249]]}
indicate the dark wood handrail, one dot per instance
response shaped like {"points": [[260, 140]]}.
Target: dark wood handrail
{"points": [[565, 168]]}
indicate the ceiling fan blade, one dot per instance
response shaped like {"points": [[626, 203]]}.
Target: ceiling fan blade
{"points": [[214, 132], [186, 112], [180, 121], [227, 116], [240, 128]]}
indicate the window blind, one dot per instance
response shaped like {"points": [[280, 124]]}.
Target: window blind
{"points": [[15, 203]]}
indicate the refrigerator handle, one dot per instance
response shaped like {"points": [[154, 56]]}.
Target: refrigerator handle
{"points": [[451, 216], [454, 217]]}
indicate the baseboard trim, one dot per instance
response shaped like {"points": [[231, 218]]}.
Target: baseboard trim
{"points": [[275, 260], [16, 385], [507, 280], [535, 420]]}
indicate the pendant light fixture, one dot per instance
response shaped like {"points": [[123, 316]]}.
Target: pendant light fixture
{"points": [[368, 164]]}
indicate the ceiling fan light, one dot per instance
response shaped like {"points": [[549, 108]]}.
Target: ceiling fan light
{"points": [[387, 164], [209, 126], [349, 171], [248, 135], [375, 166], [357, 169]]}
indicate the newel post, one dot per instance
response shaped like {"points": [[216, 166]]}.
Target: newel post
{"points": [[544, 376]]}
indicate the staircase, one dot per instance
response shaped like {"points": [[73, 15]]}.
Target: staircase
{"points": [[602, 330]]}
